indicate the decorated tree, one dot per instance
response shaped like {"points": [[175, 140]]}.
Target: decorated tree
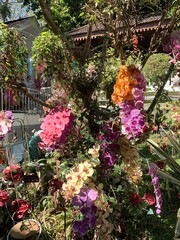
{"points": [[85, 156]]}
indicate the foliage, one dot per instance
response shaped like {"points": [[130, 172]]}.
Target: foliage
{"points": [[49, 55], [111, 66], [13, 55], [67, 14], [172, 113], [4, 10], [160, 63]]}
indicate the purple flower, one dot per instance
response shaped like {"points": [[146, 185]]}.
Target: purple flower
{"points": [[85, 200], [157, 191], [131, 111], [76, 201], [92, 194]]}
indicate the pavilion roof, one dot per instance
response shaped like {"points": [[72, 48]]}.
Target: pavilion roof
{"points": [[98, 29]]}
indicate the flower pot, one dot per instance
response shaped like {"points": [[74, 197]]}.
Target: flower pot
{"points": [[26, 229]]}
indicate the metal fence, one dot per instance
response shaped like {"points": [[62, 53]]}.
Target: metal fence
{"points": [[23, 102]]}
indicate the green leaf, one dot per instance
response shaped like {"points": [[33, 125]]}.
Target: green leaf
{"points": [[169, 160], [168, 176], [172, 141]]}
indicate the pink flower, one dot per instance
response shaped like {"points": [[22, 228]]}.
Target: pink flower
{"points": [[56, 127], [4, 197], [20, 207], [5, 122], [149, 199], [13, 173]]}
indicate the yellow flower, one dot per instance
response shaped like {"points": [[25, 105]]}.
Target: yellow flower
{"points": [[94, 151]]}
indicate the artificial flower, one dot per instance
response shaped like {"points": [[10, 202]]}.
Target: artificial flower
{"points": [[55, 127], [13, 173], [135, 199], [157, 191], [6, 120], [20, 208], [4, 198], [148, 198]]}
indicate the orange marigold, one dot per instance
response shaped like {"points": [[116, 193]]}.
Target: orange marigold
{"points": [[123, 88]]}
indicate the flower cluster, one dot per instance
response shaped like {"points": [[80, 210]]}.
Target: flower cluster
{"points": [[4, 198], [136, 199], [130, 157], [6, 120], [76, 179], [123, 89], [20, 208], [85, 201], [13, 173], [157, 191], [103, 226], [131, 104], [55, 128], [173, 46], [109, 147], [55, 184]]}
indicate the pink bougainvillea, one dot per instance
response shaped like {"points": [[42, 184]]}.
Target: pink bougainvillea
{"points": [[55, 128]]}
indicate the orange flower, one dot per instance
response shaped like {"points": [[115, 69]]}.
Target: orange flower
{"points": [[123, 88]]}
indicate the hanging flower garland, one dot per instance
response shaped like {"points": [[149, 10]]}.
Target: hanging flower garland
{"points": [[129, 94]]}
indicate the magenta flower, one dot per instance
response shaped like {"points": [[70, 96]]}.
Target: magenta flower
{"points": [[131, 113], [157, 191]]}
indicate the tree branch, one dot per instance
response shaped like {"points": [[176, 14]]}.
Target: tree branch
{"points": [[47, 15], [87, 44], [24, 90]]}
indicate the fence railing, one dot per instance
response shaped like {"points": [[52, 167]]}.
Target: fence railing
{"points": [[23, 102]]}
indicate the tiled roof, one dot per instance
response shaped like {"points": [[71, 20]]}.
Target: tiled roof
{"points": [[98, 29]]}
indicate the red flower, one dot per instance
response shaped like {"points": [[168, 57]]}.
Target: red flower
{"points": [[160, 164], [149, 199], [20, 207], [13, 173], [4, 198], [135, 199], [55, 184]]}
